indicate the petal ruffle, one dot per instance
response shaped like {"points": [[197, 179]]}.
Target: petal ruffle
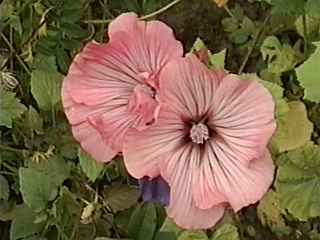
{"points": [[182, 208], [90, 139]]}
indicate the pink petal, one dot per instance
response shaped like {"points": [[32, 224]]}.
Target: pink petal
{"points": [[114, 124], [150, 45], [90, 139], [92, 142], [239, 183], [144, 150], [182, 208], [100, 74], [187, 87], [243, 115]]}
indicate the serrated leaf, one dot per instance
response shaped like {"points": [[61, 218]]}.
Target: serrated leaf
{"points": [[39, 183], [279, 57], [121, 197], [271, 214], [294, 128], [193, 235], [4, 188], [10, 108], [308, 75], [143, 222], [46, 83], [22, 225], [89, 166], [226, 232], [298, 181]]}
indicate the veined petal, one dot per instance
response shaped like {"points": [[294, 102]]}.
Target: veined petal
{"points": [[182, 208], [150, 45], [243, 115], [187, 87], [145, 150], [114, 125], [240, 183]]}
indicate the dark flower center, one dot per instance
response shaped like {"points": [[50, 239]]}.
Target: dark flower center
{"points": [[199, 133]]}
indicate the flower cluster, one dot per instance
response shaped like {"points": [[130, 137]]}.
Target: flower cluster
{"points": [[202, 132]]}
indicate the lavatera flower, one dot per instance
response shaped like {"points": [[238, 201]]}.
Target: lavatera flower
{"points": [[209, 143], [112, 87]]}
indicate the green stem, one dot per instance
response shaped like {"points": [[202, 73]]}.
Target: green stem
{"points": [[12, 169], [8, 173], [305, 33], [11, 149], [229, 12], [254, 43], [25, 67], [159, 11]]}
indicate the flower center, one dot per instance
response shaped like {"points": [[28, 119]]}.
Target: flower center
{"points": [[199, 133]]}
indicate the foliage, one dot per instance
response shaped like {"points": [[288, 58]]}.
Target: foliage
{"points": [[51, 189]]}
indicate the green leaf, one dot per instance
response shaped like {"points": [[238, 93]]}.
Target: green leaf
{"points": [[313, 8], [39, 183], [33, 121], [23, 224], [89, 166], [143, 222], [10, 108], [308, 75], [226, 232], [121, 197], [66, 211], [294, 128], [288, 7], [4, 188], [193, 235], [279, 57], [312, 27], [46, 83], [298, 181], [218, 59], [170, 226], [271, 214]]}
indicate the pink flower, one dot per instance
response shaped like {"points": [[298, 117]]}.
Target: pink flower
{"points": [[112, 87], [209, 143]]}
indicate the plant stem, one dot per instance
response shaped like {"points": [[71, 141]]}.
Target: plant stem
{"points": [[11, 149], [25, 67], [305, 33], [159, 11], [229, 12], [254, 43]]}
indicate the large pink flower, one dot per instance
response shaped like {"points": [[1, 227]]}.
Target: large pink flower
{"points": [[209, 144], [112, 87]]}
